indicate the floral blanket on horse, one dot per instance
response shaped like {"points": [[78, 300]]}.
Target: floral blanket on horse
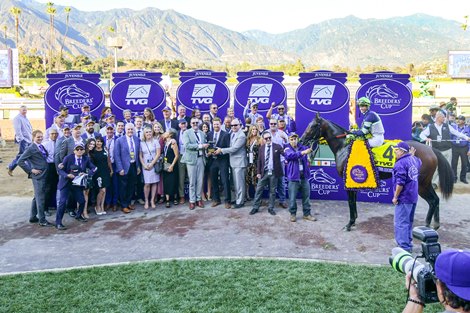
{"points": [[363, 165]]}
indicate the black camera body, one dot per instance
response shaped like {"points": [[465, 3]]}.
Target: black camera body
{"points": [[423, 274]]}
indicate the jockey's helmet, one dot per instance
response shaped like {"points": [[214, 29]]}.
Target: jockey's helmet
{"points": [[363, 101]]}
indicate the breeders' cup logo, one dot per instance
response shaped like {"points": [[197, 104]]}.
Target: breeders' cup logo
{"points": [[261, 91], [386, 96], [383, 190], [74, 93], [203, 93], [138, 94], [322, 95], [322, 183]]}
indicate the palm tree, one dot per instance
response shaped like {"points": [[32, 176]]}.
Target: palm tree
{"points": [[51, 11], [5, 35], [67, 18], [16, 12]]}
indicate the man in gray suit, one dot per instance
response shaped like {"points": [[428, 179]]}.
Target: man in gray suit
{"points": [[34, 162], [238, 161], [195, 143], [68, 145]]}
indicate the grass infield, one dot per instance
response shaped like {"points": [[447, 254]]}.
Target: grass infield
{"points": [[209, 286]]}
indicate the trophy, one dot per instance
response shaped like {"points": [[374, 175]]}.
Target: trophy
{"points": [[211, 149]]}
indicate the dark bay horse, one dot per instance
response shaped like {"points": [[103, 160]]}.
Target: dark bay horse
{"points": [[430, 158]]}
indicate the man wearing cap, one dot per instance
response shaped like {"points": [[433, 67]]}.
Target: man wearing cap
{"points": [[34, 162], [433, 111], [68, 119], [298, 175], [167, 122], [405, 196], [126, 156], [452, 283], [253, 115], [195, 143], [112, 191], [73, 165], [110, 120], [439, 136], [282, 116], [182, 171], [85, 112], [460, 149], [371, 126], [90, 131], [23, 136], [58, 126]]}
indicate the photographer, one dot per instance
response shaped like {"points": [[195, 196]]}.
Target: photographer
{"points": [[453, 283]]}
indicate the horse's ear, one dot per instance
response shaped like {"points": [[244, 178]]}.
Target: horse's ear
{"points": [[317, 117]]}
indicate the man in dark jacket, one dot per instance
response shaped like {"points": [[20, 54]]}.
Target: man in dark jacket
{"points": [[298, 174], [269, 171], [405, 197]]}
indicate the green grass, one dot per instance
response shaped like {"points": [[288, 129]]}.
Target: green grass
{"points": [[209, 286]]}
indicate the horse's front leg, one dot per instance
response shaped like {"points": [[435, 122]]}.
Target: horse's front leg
{"points": [[352, 200]]}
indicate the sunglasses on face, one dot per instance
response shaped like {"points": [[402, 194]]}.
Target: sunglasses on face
{"points": [[267, 138], [272, 123], [194, 123], [79, 149], [280, 109], [233, 125]]}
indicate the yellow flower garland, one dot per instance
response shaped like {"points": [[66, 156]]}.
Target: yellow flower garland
{"points": [[360, 155]]}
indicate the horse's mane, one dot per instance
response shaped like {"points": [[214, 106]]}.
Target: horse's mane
{"points": [[336, 125]]}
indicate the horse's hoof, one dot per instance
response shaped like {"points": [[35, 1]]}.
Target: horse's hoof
{"points": [[436, 226], [347, 228]]}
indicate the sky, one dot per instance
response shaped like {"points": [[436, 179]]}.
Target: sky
{"points": [[274, 16]]}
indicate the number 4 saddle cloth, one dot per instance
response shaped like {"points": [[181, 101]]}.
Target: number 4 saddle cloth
{"points": [[363, 165]]}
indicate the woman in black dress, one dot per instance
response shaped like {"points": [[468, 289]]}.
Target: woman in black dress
{"points": [[102, 176], [170, 175]]}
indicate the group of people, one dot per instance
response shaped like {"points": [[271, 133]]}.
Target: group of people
{"points": [[84, 161], [449, 134]]}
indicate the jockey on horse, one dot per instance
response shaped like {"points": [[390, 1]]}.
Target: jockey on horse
{"points": [[371, 128]]}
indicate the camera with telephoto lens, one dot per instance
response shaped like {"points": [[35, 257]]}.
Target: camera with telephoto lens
{"points": [[423, 273]]}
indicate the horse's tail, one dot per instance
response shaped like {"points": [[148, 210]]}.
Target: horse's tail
{"points": [[446, 174]]}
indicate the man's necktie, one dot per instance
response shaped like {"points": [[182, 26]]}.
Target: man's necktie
{"points": [[216, 137], [79, 162], [43, 151], [132, 149], [266, 158]]}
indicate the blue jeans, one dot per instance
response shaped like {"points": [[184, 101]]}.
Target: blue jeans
{"points": [[304, 187], [404, 216], [23, 145]]}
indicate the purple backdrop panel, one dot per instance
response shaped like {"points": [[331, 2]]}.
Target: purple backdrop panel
{"points": [[262, 87], [72, 92], [326, 184], [199, 89], [391, 97], [323, 92], [137, 93]]}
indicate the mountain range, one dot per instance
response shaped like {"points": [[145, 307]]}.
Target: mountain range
{"points": [[166, 34]]}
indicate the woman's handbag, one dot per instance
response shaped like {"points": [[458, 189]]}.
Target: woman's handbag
{"points": [[158, 165], [166, 166]]}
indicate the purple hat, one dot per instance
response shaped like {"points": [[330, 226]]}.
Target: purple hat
{"points": [[109, 126], [166, 109], [182, 120], [402, 146], [57, 115], [85, 105], [452, 268], [108, 116], [63, 107], [85, 114], [66, 126], [73, 126], [79, 145]]}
